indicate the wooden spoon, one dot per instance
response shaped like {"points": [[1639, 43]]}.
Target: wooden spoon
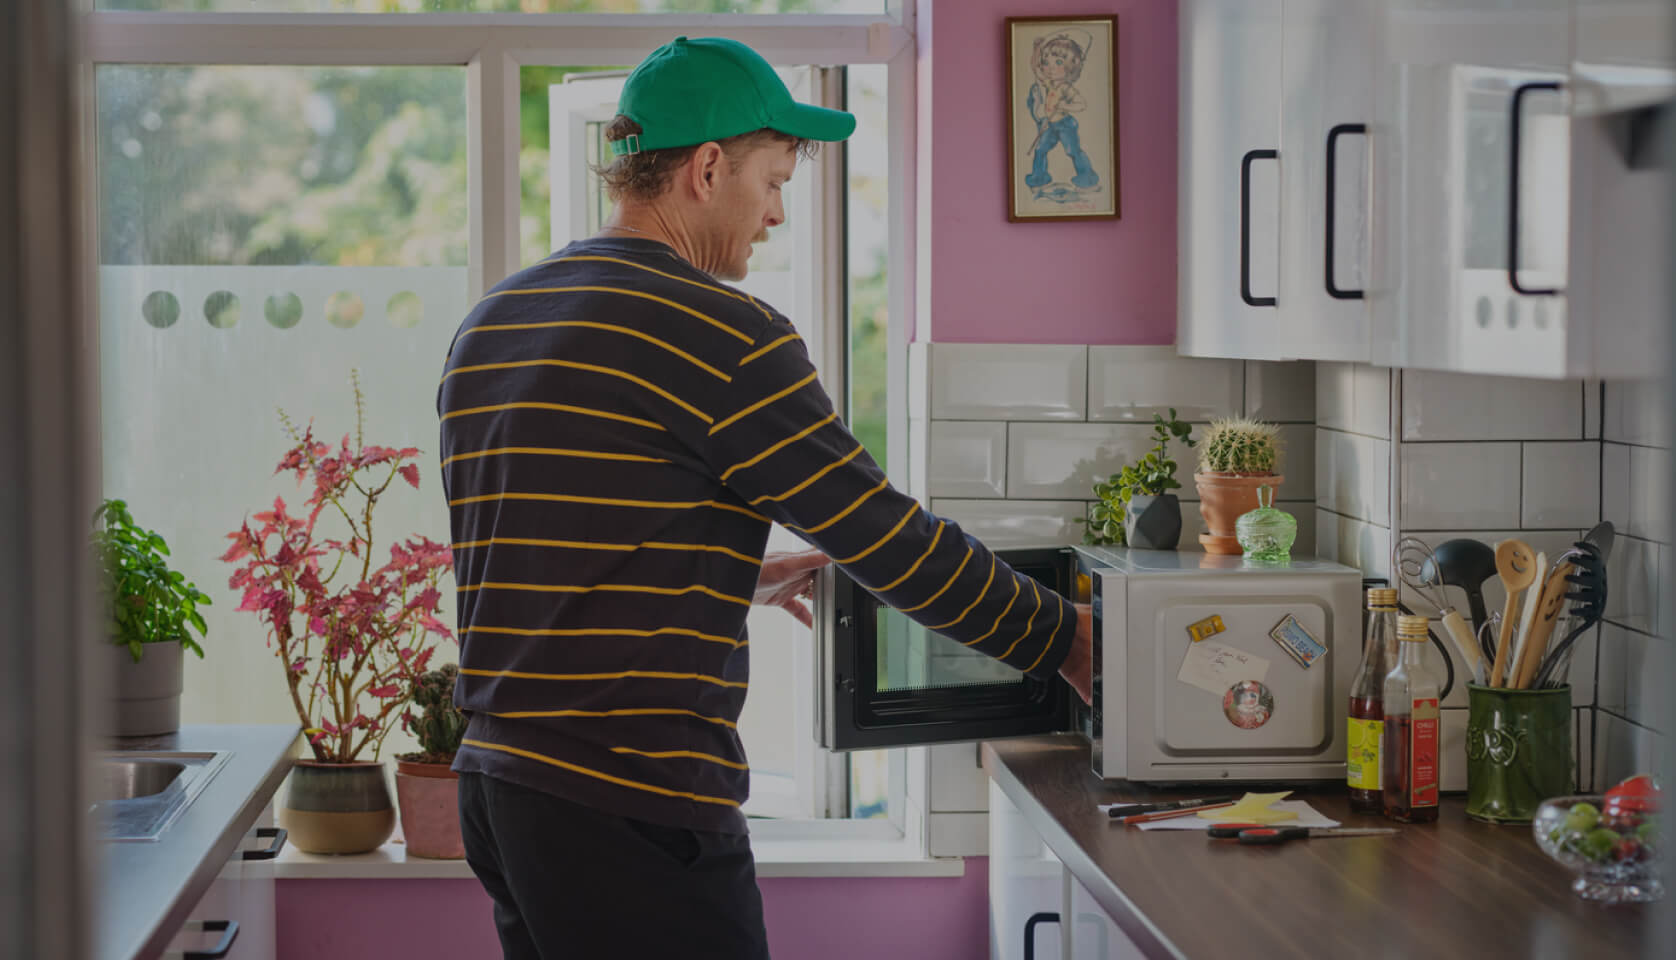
{"points": [[1516, 564], [1549, 607]]}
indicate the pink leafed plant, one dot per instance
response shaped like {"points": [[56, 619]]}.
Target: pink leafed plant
{"points": [[352, 636]]}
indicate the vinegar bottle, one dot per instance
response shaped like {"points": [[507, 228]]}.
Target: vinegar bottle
{"points": [[1409, 745], [1367, 699]]}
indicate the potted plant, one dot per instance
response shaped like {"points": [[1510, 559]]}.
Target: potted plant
{"points": [[153, 612], [1236, 457], [1135, 506], [350, 635], [427, 790]]}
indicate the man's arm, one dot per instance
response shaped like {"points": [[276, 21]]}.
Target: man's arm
{"points": [[778, 444]]}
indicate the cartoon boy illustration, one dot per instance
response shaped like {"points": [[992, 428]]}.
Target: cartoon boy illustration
{"points": [[1057, 61]]}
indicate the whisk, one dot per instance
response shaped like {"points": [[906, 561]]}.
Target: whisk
{"points": [[1416, 566]]}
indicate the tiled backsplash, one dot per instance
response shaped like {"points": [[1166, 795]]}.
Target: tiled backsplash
{"points": [[1496, 457], [1014, 437]]}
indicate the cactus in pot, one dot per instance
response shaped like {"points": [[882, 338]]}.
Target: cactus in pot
{"points": [[1236, 457], [426, 789]]}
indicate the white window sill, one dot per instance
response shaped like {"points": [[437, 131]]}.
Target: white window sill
{"points": [[780, 856]]}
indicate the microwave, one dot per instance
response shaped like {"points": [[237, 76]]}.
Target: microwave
{"points": [[1206, 667]]}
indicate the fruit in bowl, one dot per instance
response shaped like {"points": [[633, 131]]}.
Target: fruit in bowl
{"points": [[1611, 841]]}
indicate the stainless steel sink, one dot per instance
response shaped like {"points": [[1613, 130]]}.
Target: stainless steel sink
{"points": [[143, 793]]}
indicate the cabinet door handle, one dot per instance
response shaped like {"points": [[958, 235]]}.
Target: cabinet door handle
{"points": [[1245, 226], [1517, 123], [1030, 931], [1333, 289], [229, 932], [278, 836]]}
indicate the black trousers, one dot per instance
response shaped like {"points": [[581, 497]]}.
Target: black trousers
{"points": [[573, 883]]}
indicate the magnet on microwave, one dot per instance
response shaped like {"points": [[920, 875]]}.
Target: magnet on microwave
{"points": [[1208, 627], [1248, 704], [1297, 641]]}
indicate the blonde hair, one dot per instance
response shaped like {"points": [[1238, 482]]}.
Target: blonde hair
{"points": [[1074, 54]]}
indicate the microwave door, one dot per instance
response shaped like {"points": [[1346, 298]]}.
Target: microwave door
{"points": [[884, 681]]}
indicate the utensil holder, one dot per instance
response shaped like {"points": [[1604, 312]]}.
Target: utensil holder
{"points": [[1518, 746]]}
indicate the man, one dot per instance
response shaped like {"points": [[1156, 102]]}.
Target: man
{"points": [[619, 430]]}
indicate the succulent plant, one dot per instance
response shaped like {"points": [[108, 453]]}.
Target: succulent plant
{"points": [[1153, 475], [439, 726], [1240, 445]]}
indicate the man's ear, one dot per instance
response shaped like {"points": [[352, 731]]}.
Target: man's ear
{"points": [[704, 169]]}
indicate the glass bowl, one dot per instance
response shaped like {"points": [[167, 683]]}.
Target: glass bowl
{"points": [[1613, 855]]}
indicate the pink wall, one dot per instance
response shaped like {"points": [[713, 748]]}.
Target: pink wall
{"points": [[1113, 282], [875, 919]]}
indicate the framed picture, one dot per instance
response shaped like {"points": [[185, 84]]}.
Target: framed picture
{"points": [[1062, 118]]}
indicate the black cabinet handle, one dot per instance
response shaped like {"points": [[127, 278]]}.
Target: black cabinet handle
{"points": [[1030, 931], [1245, 226], [272, 850], [1517, 123], [229, 932], [1333, 289]]}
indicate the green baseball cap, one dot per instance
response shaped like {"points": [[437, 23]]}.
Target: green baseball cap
{"points": [[694, 91]]}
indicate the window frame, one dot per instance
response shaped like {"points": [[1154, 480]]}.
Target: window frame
{"points": [[494, 47]]}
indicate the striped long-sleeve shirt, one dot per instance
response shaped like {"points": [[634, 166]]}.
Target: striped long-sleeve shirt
{"points": [[619, 431]]}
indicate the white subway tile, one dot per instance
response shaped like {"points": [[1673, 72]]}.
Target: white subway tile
{"points": [[1353, 543], [1280, 392], [982, 381], [1615, 486], [968, 458], [1561, 485], [1133, 383], [1592, 409], [1352, 475], [1649, 484], [919, 459], [1633, 583], [1062, 461], [1611, 671], [1583, 737], [1623, 749], [1585, 661], [1016, 523], [1452, 755], [1297, 460], [1634, 412], [1640, 667], [1460, 485], [1459, 406], [1353, 397]]}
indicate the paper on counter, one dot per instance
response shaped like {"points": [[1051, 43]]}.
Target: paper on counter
{"points": [[1306, 817], [1214, 667]]}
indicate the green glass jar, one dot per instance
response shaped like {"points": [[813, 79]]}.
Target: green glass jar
{"points": [[1266, 533]]}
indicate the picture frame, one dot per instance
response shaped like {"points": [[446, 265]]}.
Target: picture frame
{"points": [[1062, 140]]}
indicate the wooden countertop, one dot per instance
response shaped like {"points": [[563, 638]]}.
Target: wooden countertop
{"points": [[1456, 888]]}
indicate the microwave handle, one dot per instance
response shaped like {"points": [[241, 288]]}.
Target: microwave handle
{"points": [[1515, 132]]}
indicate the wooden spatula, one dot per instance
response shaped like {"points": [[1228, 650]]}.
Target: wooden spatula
{"points": [[1516, 563], [1549, 607]]}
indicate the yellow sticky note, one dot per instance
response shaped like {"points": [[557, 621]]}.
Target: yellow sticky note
{"points": [[1252, 808]]}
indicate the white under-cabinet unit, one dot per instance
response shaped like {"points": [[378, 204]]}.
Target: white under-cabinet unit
{"points": [[1521, 173]]}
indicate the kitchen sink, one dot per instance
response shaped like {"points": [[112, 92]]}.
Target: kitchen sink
{"points": [[142, 793]]}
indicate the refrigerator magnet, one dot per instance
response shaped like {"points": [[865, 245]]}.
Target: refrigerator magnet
{"points": [[1298, 643], [1208, 627]]}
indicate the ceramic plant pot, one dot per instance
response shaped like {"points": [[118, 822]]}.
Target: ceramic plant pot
{"points": [[337, 807], [429, 797], [1153, 522], [1223, 499], [147, 693]]}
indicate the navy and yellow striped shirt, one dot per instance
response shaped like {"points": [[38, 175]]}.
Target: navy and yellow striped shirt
{"points": [[618, 433]]}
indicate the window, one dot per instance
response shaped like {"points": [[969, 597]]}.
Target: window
{"points": [[263, 229]]}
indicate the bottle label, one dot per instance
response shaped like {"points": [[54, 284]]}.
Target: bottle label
{"points": [[1362, 753], [1423, 752]]}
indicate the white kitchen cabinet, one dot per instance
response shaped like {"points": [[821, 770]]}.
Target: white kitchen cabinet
{"points": [[1275, 104], [1229, 194], [1026, 887], [1538, 261], [1093, 933], [242, 895]]}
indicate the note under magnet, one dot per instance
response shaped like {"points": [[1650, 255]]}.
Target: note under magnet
{"points": [[1214, 667]]}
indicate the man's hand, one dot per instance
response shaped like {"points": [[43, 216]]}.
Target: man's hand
{"points": [[787, 581], [1078, 668]]}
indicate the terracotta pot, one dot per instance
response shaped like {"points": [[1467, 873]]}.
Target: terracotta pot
{"points": [[147, 694], [429, 796], [337, 807], [1223, 498]]}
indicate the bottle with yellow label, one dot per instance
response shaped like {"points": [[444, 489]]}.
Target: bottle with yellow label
{"points": [[1367, 711]]}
